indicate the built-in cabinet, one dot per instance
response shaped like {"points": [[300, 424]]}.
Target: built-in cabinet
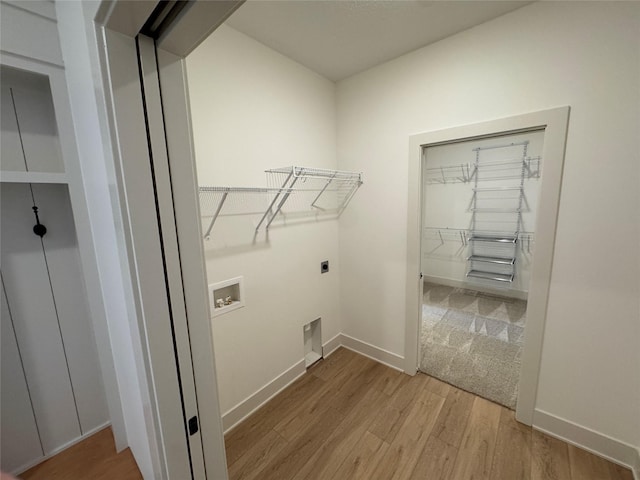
{"points": [[52, 393]]}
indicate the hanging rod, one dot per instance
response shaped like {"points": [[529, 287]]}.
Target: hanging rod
{"points": [[503, 145]]}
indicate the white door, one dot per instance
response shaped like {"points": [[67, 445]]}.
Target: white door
{"points": [[35, 321], [156, 180], [52, 393], [19, 441]]}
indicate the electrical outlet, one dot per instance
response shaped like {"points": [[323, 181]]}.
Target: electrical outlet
{"points": [[324, 266]]}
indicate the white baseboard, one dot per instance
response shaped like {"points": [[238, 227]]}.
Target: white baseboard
{"points": [[84, 436], [245, 408], [378, 354], [449, 282], [331, 345], [587, 439]]}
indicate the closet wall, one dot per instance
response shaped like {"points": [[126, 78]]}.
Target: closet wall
{"points": [[448, 203], [254, 109], [52, 391]]}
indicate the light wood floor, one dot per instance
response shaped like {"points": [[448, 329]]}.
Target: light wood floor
{"points": [[352, 418], [93, 458]]}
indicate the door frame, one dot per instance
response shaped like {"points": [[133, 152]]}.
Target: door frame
{"points": [[160, 209], [554, 122]]}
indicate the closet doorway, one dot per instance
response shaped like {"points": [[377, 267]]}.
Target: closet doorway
{"points": [[483, 204], [478, 232]]}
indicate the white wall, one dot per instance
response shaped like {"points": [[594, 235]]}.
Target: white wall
{"points": [[254, 109], [545, 55]]}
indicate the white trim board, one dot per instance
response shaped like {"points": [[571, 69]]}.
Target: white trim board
{"points": [[587, 439], [242, 410], [331, 345], [378, 354], [582, 437], [33, 177], [93, 431]]}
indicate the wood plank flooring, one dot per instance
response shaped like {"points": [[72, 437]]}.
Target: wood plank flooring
{"points": [[352, 418], [95, 458]]}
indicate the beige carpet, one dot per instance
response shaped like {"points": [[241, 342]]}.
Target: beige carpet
{"points": [[473, 341]]}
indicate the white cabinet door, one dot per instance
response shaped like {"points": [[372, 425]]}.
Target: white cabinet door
{"points": [[10, 148], [19, 439], [35, 321], [69, 291]]}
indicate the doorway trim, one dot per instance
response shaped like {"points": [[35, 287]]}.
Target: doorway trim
{"points": [[149, 202], [554, 122]]}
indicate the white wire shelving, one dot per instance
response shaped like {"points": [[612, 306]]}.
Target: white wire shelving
{"points": [[290, 189], [493, 256], [443, 235], [497, 170]]}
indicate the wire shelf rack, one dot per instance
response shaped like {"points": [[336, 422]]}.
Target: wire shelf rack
{"points": [[290, 190], [328, 191], [498, 170], [488, 242]]}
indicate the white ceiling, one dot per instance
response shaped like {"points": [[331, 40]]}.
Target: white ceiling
{"points": [[340, 38]]}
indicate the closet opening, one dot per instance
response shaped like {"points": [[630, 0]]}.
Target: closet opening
{"points": [[483, 208], [479, 204]]}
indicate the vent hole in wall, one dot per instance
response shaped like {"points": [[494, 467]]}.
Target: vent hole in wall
{"points": [[312, 342]]}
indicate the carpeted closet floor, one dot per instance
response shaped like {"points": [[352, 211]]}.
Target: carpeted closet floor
{"points": [[473, 341]]}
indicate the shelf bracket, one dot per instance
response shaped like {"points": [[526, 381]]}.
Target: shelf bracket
{"points": [[282, 202], [348, 197], [313, 204], [215, 215], [275, 198]]}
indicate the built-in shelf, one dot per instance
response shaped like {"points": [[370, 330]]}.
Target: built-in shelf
{"points": [[33, 177], [226, 296], [498, 277], [497, 260]]}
